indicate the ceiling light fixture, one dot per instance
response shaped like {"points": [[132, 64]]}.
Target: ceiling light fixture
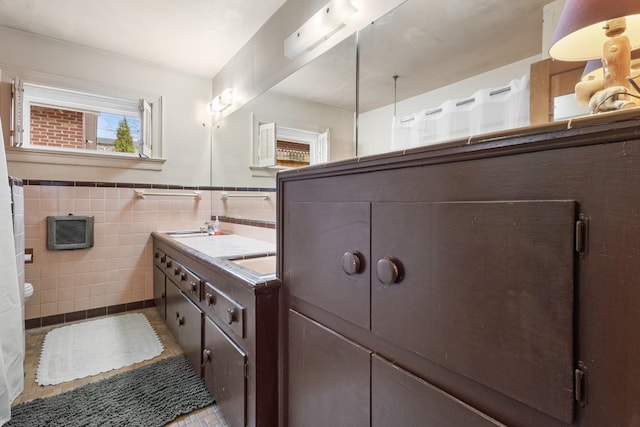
{"points": [[220, 102], [322, 25]]}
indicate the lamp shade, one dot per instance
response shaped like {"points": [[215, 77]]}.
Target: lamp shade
{"points": [[580, 33]]}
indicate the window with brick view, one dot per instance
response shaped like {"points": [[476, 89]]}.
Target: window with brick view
{"points": [[55, 127], [54, 118]]}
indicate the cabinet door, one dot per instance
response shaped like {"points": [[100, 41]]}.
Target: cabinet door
{"points": [[326, 253], [159, 296], [173, 297], [329, 377], [184, 320], [401, 399], [189, 323], [484, 289], [224, 373]]}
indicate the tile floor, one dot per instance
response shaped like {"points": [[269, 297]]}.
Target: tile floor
{"points": [[205, 417]]}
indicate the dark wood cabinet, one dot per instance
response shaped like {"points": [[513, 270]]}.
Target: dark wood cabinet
{"points": [[227, 327], [399, 398], [159, 292], [317, 263], [224, 371], [184, 319], [329, 377], [494, 283]]}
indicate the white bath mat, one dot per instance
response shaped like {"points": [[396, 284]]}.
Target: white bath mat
{"points": [[89, 348]]}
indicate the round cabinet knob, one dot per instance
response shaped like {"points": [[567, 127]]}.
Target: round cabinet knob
{"points": [[176, 271], [351, 263], [206, 356], [156, 255], [183, 277], [231, 315], [163, 258], [389, 271], [169, 264]]}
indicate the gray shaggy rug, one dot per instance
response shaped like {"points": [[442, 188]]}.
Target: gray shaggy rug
{"points": [[152, 395]]}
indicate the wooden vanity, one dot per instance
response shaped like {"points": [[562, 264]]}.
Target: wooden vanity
{"points": [[224, 316], [483, 282]]}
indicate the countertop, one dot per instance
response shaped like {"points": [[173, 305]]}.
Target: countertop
{"points": [[221, 252]]}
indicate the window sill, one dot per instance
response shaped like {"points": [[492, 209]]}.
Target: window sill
{"points": [[266, 171], [31, 155]]}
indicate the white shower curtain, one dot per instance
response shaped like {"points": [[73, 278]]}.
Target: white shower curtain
{"points": [[11, 335]]}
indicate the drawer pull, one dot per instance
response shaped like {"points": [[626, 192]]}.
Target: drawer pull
{"points": [[351, 263], [211, 299], [193, 286], [231, 315], [389, 271], [206, 356], [179, 320]]}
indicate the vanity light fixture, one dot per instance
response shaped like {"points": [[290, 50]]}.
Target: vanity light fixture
{"points": [[322, 25], [596, 29], [220, 102]]}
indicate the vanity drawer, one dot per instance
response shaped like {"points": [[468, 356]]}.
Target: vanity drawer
{"points": [[159, 258], [187, 281], [168, 265], [224, 309]]}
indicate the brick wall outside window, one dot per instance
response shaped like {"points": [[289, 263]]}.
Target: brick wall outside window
{"points": [[54, 127]]}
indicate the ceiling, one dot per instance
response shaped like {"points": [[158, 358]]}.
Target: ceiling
{"points": [[427, 43], [193, 36]]}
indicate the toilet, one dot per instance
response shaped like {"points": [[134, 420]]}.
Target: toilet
{"points": [[28, 291]]}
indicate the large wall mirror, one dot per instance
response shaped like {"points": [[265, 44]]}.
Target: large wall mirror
{"points": [[348, 101]]}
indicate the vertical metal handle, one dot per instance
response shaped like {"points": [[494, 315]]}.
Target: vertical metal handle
{"points": [[231, 315], [206, 356], [211, 299]]}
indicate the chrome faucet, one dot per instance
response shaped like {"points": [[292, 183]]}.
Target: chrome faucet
{"points": [[209, 228]]}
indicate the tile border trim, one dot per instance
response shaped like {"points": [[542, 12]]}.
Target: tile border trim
{"points": [[58, 319], [97, 184]]}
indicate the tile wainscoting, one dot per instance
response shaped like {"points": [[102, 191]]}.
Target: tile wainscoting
{"points": [[116, 273]]}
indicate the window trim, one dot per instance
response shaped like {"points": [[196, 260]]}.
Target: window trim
{"points": [[61, 156], [79, 158]]}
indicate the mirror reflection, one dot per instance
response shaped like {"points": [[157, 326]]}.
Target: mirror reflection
{"points": [[450, 79], [307, 118]]}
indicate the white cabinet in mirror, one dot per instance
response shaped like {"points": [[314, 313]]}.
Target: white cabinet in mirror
{"points": [[280, 147]]}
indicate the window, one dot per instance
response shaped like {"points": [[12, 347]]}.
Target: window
{"points": [[53, 118]]}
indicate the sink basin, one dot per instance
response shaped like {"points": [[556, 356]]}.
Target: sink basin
{"points": [[261, 265], [226, 245]]}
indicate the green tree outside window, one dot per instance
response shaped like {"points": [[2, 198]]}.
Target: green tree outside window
{"points": [[124, 141]]}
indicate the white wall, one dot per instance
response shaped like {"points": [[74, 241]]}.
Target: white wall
{"points": [[232, 137], [374, 127], [186, 136]]}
